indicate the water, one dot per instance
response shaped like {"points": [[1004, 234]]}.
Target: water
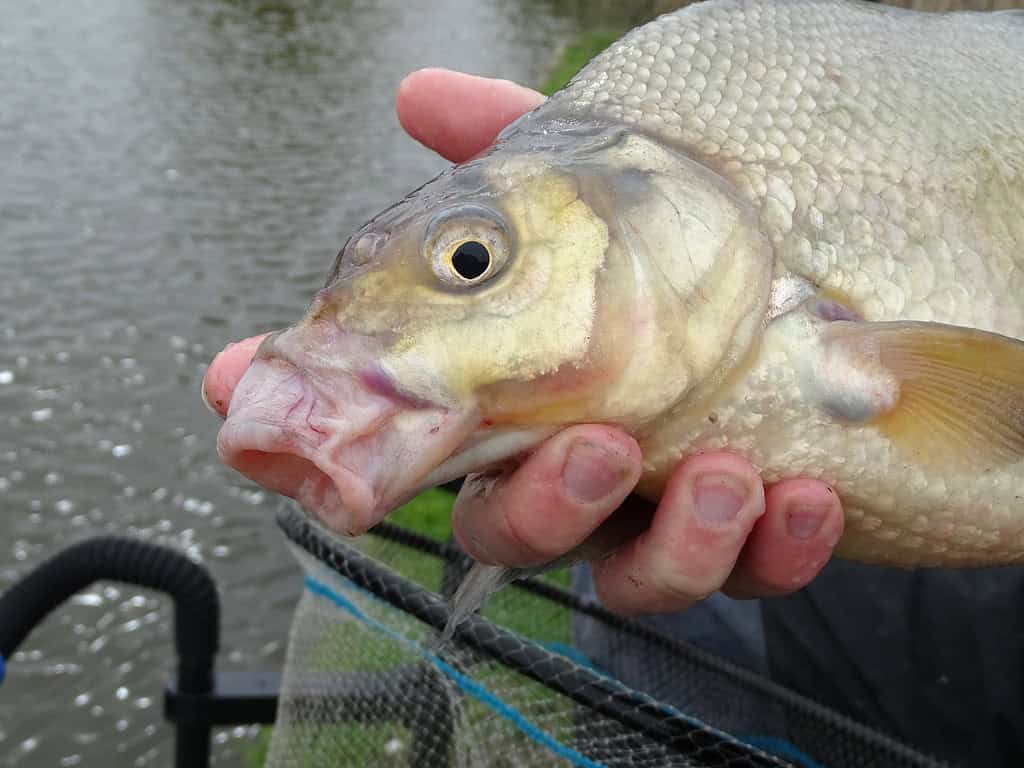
{"points": [[175, 176]]}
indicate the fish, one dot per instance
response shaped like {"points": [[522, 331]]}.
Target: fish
{"points": [[794, 231]]}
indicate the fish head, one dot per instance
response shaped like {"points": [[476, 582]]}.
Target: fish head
{"points": [[571, 274]]}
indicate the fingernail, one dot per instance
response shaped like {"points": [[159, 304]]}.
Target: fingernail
{"points": [[803, 521], [590, 472], [206, 399], [718, 498]]}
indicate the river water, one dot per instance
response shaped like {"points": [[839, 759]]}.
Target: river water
{"points": [[175, 175]]}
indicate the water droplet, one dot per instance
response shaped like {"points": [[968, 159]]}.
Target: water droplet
{"points": [[121, 693], [53, 478], [82, 699], [29, 744], [253, 497], [64, 506], [393, 746], [69, 760], [119, 451], [6, 377], [43, 414]]}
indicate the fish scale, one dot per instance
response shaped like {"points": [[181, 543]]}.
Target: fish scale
{"points": [[867, 137]]}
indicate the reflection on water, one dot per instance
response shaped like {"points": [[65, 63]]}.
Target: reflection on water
{"points": [[177, 175]]}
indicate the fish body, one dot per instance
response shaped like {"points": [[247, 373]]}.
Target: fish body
{"points": [[792, 230]]}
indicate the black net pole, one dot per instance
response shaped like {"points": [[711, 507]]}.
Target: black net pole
{"points": [[196, 612]]}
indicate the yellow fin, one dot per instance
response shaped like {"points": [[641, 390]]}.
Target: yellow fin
{"points": [[961, 390]]}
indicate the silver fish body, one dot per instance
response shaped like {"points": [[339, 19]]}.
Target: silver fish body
{"points": [[883, 153], [794, 230]]}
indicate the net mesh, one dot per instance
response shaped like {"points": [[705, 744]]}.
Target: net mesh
{"points": [[367, 682]]}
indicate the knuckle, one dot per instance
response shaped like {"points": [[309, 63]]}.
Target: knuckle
{"points": [[532, 543], [677, 583]]}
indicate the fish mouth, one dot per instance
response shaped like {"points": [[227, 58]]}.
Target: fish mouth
{"points": [[348, 450]]}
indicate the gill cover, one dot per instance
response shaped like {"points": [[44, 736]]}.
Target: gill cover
{"points": [[573, 273]]}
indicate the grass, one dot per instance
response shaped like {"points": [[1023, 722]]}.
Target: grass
{"points": [[430, 514], [575, 56]]}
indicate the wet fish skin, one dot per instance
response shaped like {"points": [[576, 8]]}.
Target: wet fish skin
{"points": [[792, 230], [883, 151]]}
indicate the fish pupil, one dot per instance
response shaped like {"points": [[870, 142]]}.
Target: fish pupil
{"points": [[471, 259]]}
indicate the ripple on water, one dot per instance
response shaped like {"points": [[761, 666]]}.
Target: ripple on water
{"points": [[177, 175]]}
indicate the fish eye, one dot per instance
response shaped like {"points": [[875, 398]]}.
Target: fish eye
{"points": [[471, 259], [467, 245]]}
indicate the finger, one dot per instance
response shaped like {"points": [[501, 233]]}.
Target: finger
{"points": [[792, 542], [226, 371], [705, 515], [458, 115], [550, 503]]}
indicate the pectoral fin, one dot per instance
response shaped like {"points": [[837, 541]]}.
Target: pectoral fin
{"points": [[960, 390]]}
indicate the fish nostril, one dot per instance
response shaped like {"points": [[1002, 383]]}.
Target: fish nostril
{"points": [[364, 249]]}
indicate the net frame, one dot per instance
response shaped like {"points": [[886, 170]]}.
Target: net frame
{"points": [[826, 735]]}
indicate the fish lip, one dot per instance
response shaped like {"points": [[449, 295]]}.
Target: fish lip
{"points": [[487, 448], [347, 453], [332, 493]]}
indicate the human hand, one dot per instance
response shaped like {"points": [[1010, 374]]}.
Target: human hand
{"points": [[716, 527]]}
